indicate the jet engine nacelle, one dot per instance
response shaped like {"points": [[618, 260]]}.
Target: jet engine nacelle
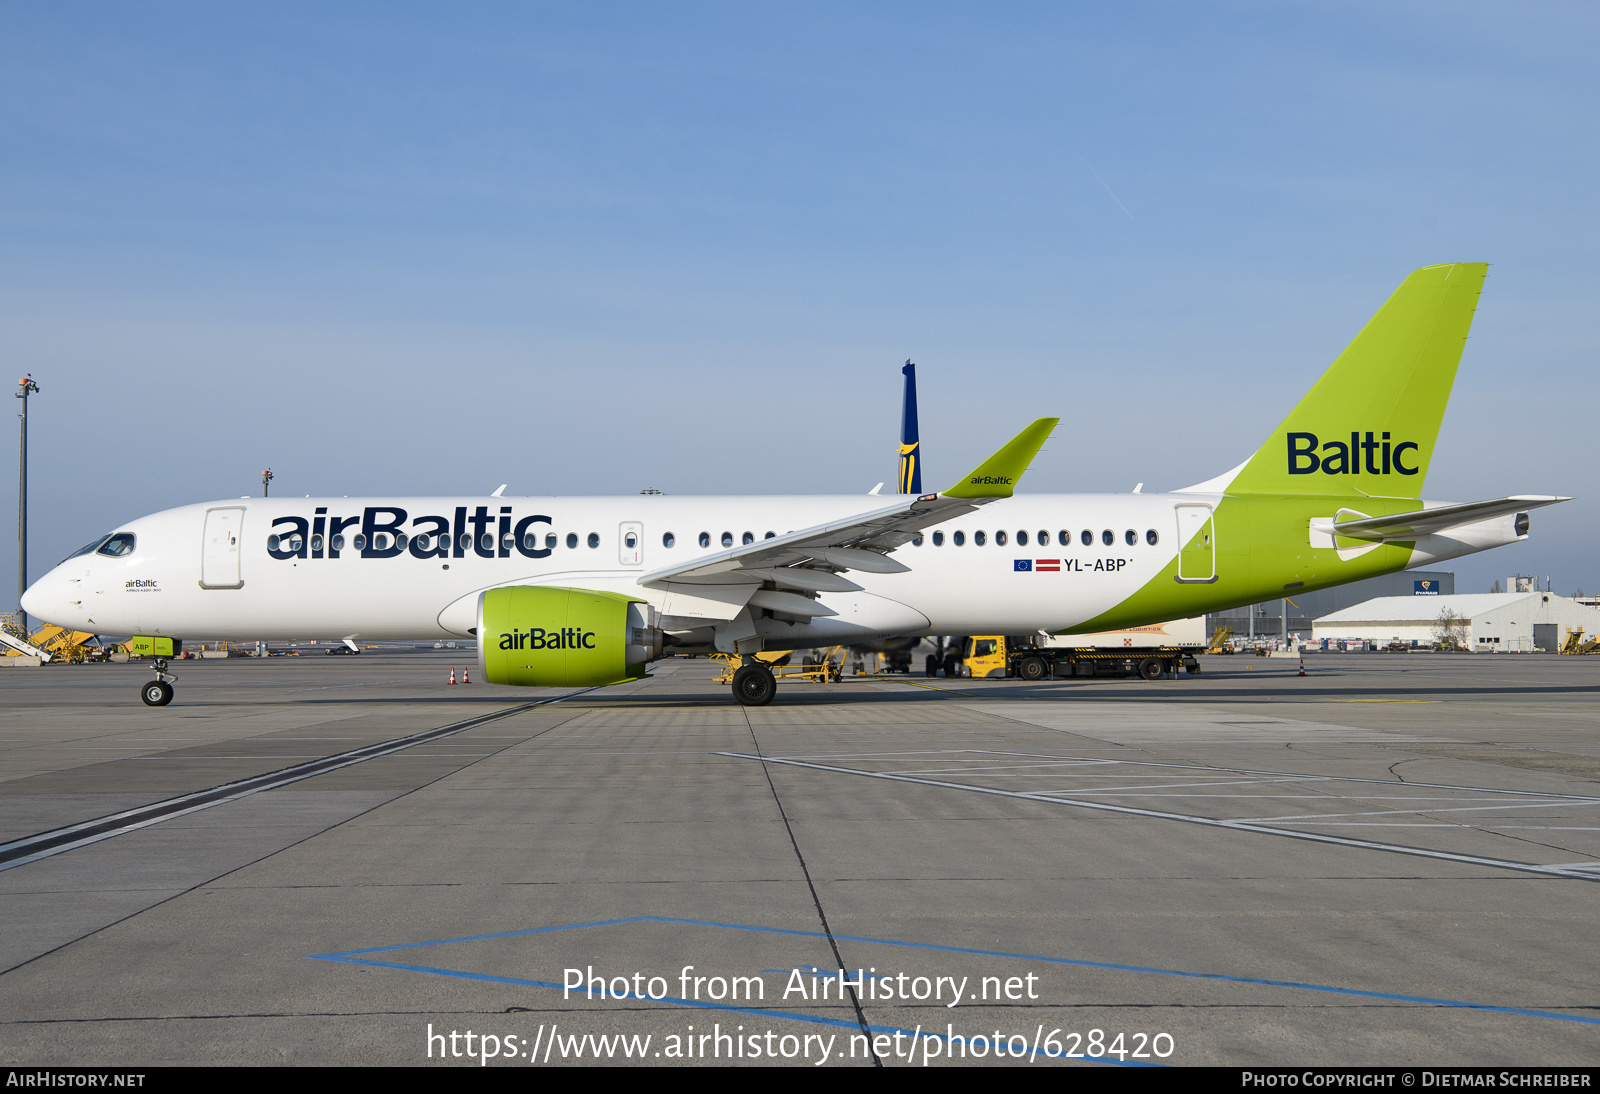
{"points": [[534, 636]]}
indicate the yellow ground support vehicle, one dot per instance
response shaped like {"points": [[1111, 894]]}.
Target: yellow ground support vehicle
{"points": [[1027, 658], [826, 669]]}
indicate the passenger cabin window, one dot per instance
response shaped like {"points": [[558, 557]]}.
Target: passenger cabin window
{"points": [[550, 541], [1087, 537], [630, 541], [118, 545], [572, 540], [1108, 537], [979, 539], [769, 535], [727, 539], [359, 543], [594, 539], [938, 539], [705, 539], [1022, 540], [748, 538], [916, 540], [337, 543], [959, 539], [999, 539], [669, 540], [1130, 537], [1151, 538]]}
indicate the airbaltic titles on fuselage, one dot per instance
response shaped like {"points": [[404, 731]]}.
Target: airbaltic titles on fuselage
{"points": [[383, 534]]}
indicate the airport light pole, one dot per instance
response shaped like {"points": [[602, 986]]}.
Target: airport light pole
{"points": [[25, 387], [266, 477]]}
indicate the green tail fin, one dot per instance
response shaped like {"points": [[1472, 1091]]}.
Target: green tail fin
{"points": [[1369, 425]]}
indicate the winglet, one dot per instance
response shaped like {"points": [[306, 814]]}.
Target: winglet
{"points": [[995, 476]]}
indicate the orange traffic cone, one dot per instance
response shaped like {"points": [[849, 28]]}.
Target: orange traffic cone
{"points": [[1302, 663], [452, 674], [464, 679]]}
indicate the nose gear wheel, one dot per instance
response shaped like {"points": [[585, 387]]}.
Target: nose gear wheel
{"points": [[158, 692]]}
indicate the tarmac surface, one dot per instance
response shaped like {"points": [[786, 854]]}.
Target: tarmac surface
{"points": [[1393, 860]]}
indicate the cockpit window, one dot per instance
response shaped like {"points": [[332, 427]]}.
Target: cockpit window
{"points": [[89, 549], [118, 545]]}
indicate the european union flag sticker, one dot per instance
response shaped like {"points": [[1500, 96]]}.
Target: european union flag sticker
{"points": [[1021, 565]]}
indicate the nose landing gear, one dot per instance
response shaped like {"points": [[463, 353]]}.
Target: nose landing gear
{"points": [[158, 692]]}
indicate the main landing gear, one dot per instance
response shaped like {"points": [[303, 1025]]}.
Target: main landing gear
{"points": [[754, 685], [158, 692]]}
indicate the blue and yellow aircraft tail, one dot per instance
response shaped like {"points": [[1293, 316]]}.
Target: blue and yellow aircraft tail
{"points": [[910, 454]]}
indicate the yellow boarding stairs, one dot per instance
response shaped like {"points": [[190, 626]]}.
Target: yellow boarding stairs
{"points": [[48, 643], [1575, 643], [829, 669]]}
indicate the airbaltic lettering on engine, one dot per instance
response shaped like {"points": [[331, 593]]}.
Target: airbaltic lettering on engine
{"points": [[535, 638], [1338, 458], [382, 532]]}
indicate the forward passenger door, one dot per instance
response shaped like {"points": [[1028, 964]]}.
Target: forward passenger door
{"points": [[219, 550]]}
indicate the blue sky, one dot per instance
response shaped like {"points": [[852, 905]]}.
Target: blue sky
{"points": [[396, 248]]}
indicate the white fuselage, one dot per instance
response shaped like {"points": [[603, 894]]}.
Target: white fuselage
{"points": [[186, 578]]}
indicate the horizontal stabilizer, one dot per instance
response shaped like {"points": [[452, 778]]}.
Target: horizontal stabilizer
{"points": [[1427, 522]]}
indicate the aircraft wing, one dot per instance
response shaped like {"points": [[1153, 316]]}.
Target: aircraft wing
{"points": [[811, 558], [859, 542], [1422, 522]]}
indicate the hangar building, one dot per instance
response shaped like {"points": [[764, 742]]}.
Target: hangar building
{"points": [[1266, 619], [1496, 622]]}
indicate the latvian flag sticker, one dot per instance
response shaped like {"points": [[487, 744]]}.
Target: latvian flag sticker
{"points": [[1048, 565]]}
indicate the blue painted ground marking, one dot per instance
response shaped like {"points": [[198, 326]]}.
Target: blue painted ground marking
{"points": [[356, 957]]}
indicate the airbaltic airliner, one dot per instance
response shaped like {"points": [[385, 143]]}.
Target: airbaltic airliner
{"points": [[588, 591]]}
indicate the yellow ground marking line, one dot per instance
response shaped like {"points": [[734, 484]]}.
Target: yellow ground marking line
{"points": [[929, 687]]}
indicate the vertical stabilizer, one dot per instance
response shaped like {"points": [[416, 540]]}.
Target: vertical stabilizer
{"points": [[1368, 427], [910, 452]]}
